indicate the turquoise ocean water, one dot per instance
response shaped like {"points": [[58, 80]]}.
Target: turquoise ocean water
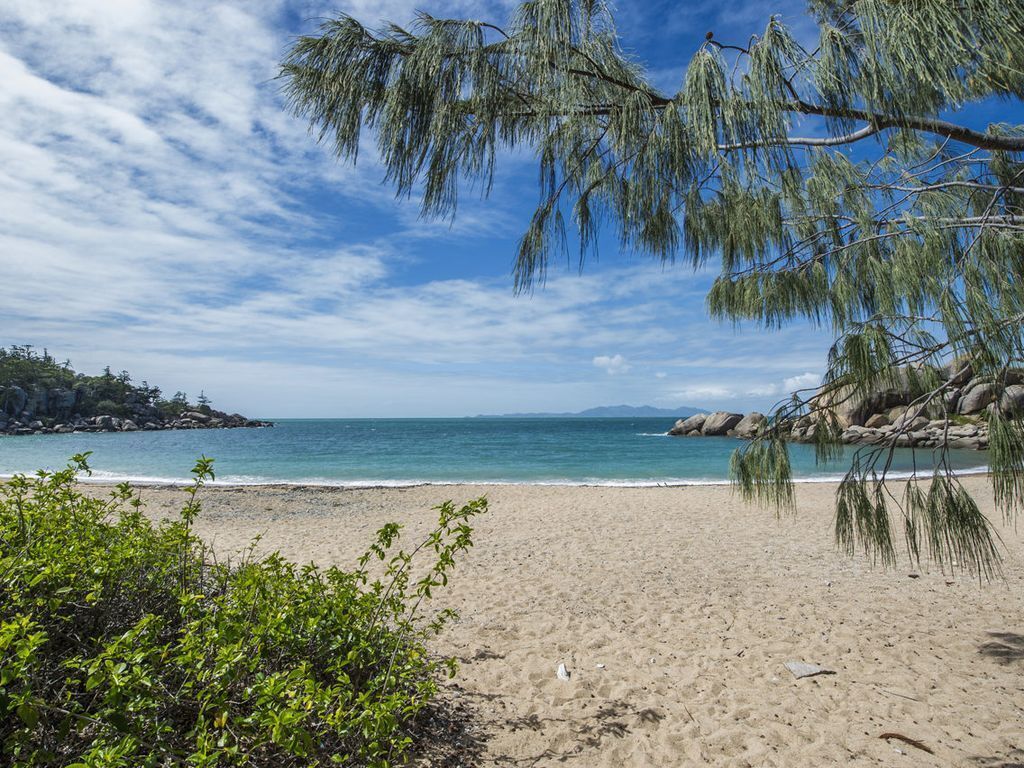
{"points": [[354, 452]]}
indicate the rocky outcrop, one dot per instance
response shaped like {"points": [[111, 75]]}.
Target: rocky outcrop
{"points": [[750, 424], [52, 411], [213, 420], [1012, 401], [976, 398], [689, 426], [720, 422], [707, 424], [892, 415]]}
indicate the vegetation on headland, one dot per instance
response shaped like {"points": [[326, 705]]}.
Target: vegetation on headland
{"points": [[40, 394], [125, 643], [845, 184]]}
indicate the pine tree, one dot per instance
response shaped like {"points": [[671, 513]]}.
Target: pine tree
{"points": [[844, 183]]}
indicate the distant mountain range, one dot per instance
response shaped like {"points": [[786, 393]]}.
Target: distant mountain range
{"points": [[605, 411]]}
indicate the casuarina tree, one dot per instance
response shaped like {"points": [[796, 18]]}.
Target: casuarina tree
{"points": [[842, 179]]}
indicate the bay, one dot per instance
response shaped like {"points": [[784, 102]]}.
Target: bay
{"points": [[367, 452]]}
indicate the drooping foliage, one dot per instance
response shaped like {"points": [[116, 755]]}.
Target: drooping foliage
{"points": [[126, 643], [843, 181]]}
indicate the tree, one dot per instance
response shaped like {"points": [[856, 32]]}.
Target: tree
{"points": [[844, 182]]}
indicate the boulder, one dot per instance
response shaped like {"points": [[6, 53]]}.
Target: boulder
{"points": [[910, 422], [977, 398], [750, 424], [853, 408], [683, 426], [38, 401], [14, 401], [202, 418], [951, 398], [62, 402], [876, 421], [1012, 400], [958, 372], [720, 422], [895, 413]]}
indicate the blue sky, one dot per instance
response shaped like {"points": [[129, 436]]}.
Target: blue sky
{"points": [[160, 213]]}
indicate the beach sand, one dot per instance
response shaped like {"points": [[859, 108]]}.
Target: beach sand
{"points": [[690, 601]]}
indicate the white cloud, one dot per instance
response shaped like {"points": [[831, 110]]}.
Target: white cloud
{"points": [[612, 365], [803, 381], [155, 215]]}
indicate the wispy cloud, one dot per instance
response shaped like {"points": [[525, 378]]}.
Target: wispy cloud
{"points": [[160, 212]]}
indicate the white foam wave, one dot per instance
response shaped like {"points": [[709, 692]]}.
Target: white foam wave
{"points": [[107, 478]]}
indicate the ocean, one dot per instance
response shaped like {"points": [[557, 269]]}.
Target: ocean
{"points": [[395, 452]]}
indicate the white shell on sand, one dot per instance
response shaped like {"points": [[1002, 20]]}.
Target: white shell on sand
{"points": [[563, 672], [803, 669]]}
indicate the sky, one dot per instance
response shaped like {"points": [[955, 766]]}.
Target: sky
{"points": [[161, 213]]}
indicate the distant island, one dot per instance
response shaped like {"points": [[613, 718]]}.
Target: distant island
{"points": [[604, 412], [39, 395]]}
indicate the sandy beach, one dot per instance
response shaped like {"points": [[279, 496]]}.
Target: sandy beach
{"points": [[675, 610]]}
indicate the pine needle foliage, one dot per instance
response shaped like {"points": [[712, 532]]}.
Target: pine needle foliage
{"points": [[842, 183]]}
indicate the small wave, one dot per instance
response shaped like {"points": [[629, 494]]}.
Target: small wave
{"points": [[652, 434], [107, 478]]}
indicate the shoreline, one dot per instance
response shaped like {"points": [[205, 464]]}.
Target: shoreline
{"points": [[234, 483]]}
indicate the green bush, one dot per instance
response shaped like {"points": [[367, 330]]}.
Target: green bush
{"points": [[125, 643]]}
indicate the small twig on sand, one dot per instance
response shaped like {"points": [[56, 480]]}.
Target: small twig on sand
{"points": [[901, 695], [907, 740]]}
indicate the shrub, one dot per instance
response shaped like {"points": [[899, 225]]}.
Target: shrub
{"points": [[125, 643]]}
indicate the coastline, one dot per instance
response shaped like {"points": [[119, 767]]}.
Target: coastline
{"points": [[108, 479], [692, 602]]}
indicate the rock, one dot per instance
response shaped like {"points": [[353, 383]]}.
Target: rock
{"points": [[720, 422], [129, 426], [976, 398], [562, 672], [853, 408], [959, 372], [951, 398], [196, 416], [895, 412], [909, 423], [1011, 402], [803, 669], [968, 443], [750, 424], [876, 421], [62, 402], [686, 426], [14, 400]]}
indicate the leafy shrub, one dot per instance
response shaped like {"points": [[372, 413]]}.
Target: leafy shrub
{"points": [[124, 643]]}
